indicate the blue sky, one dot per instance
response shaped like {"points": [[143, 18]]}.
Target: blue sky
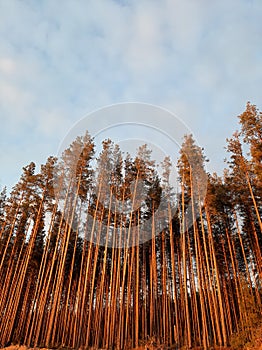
{"points": [[60, 60]]}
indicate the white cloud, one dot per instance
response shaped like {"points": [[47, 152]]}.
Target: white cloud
{"points": [[7, 66], [200, 59]]}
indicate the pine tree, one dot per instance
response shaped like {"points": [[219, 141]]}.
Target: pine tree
{"points": [[101, 253], [243, 191]]}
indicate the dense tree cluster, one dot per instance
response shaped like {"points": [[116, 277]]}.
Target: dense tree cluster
{"points": [[76, 266]]}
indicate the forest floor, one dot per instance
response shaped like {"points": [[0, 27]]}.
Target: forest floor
{"points": [[256, 345]]}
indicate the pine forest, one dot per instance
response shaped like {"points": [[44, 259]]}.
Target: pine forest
{"points": [[84, 265]]}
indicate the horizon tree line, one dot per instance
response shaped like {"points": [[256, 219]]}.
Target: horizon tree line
{"points": [[102, 253]]}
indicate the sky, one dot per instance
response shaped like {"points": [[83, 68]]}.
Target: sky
{"points": [[61, 60]]}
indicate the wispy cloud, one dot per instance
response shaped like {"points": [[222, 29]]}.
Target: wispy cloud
{"points": [[58, 61]]}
